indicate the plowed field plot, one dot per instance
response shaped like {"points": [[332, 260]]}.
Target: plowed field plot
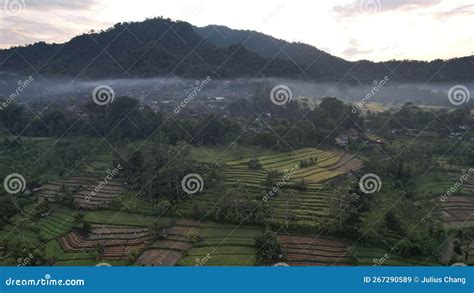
{"points": [[89, 192], [303, 250], [173, 245], [458, 212], [118, 242]]}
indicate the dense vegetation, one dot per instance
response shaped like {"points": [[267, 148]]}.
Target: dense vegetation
{"points": [[282, 177]]}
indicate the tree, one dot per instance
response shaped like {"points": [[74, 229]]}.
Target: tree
{"points": [[271, 181], [268, 247], [162, 207], [254, 164], [66, 196]]}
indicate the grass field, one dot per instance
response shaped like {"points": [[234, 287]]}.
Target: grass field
{"points": [[224, 153], [122, 218], [223, 245], [369, 256], [58, 222], [31, 231], [54, 250], [437, 183]]}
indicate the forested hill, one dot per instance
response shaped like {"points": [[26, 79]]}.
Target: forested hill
{"points": [[322, 65], [155, 47], [159, 47]]}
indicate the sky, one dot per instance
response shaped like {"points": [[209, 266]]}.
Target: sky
{"points": [[375, 30]]}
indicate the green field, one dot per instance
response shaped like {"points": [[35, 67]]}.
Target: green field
{"points": [[122, 218], [58, 222], [223, 245], [369, 256]]}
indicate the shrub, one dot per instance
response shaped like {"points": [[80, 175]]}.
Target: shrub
{"points": [[268, 247], [254, 164], [308, 162], [300, 185], [86, 228], [162, 207]]}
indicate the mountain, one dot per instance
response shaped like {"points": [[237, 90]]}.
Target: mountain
{"points": [[141, 49], [160, 47], [319, 64], [315, 62]]}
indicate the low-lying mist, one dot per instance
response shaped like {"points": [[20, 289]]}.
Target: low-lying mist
{"points": [[170, 88]]}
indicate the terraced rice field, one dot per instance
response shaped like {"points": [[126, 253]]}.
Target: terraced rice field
{"points": [[307, 207], [82, 188], [468, 185], [118, 242], [33, 232], [328, 165], [306, 250], [121, 236], [438, 183], [58, 222], [98, 161], [458, 212], [223, 244], [173, 244], [56, 252], [109, 217]]}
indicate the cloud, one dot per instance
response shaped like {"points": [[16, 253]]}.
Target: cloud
{"points": [[354, 50], [47, 5], [51, 21], [19, 30], [467, 10], [358, 7]]}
